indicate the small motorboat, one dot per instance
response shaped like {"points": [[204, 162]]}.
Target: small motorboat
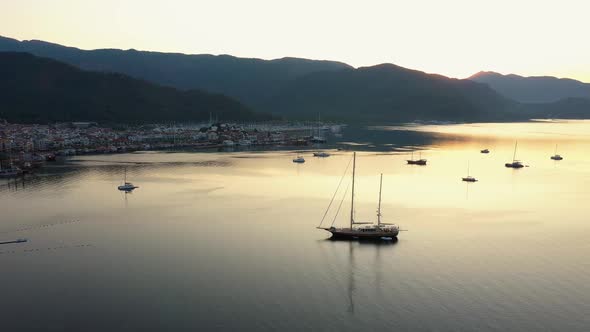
{"points": [[299, 160], [321, 154], [485, 151]]}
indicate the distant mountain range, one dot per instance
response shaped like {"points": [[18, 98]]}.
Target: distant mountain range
{"points": [[389, 92], [39, 90], [251, 81], [301, 89], [534, 89]]}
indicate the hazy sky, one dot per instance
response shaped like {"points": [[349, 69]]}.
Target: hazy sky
{"points": [[452, 37]]}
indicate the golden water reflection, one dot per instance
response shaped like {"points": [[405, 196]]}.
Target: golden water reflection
{"points": [[228, 240]]}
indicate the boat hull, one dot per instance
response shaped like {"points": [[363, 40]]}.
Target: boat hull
{"points": [[347, 233], [127, 188], [416, 162], [513, 165]]}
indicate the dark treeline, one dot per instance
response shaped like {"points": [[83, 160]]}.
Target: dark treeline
{"points": [[34, 89]]}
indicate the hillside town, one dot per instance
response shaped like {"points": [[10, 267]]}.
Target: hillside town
{"points": [[24, 147]]}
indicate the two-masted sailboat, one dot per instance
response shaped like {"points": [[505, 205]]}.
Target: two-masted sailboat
{"points": [[419, 161], [364, 230]]}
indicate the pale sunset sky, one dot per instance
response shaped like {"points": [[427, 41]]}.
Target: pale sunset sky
{"points": [[455, 38]]}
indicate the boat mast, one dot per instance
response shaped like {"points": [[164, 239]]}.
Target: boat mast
{"points": [[468, 168], [379, 208], [352, 196], [319, 135], [514, 156]]}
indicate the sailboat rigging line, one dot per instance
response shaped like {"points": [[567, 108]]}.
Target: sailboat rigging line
{"points": [[339, 206], [335, 192]]}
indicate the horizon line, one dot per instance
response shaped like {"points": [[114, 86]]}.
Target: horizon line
{"points": [[291, 57]]}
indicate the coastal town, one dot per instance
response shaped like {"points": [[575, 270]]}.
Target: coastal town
{"points": [[24, 147]]}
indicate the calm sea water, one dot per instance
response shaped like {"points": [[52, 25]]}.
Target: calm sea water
{"points": [[227, 240]]}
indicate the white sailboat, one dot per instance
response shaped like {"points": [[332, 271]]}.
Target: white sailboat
{"points": [[469, 178], [127, 186], [556, 156], [364, 230], [515, 163], [318, 138]]}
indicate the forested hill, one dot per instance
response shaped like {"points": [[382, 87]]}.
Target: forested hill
{"points": [[35, 89], [249, 80], [390, 93], [534, 89]]}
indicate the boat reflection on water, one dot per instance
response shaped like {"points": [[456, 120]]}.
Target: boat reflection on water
{"points": [[125, 199], [258, 279], [351, 264]]}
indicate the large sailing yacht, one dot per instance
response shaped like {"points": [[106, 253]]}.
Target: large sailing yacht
{"points": [[364, 230]]}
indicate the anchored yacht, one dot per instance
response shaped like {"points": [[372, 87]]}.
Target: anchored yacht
{"points": [[515, 163], [469, 178], [556, 156], [364, 230], [418, 161], [127, 186]]}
